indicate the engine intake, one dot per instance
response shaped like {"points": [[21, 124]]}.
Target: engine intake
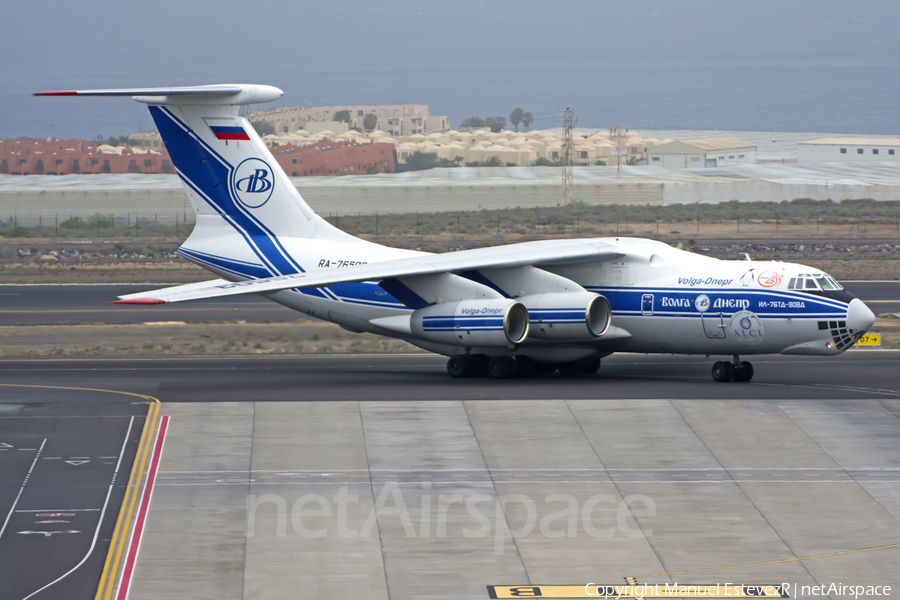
{"points": [[567, 316], [499, 322]]}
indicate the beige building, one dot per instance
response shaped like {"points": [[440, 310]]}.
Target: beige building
{"points": [[147, 140], [702, 152], [393, 119], [849, 148], [519, 148]]}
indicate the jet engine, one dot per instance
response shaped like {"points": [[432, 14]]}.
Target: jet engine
{"points": [[498, 322], [567, 316]]}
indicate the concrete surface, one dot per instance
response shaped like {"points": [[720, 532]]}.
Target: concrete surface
{"points": [[732, 482]]}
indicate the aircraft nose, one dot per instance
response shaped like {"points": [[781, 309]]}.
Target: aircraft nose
{"points": [[859, 317]]}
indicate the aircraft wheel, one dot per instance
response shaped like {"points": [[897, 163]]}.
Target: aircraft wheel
{"points": [[591, 365], [748, 371], [459, 366], [525, 367], [722, 371], [501, 367], [570, 369], [479, 365], [543, 367]]}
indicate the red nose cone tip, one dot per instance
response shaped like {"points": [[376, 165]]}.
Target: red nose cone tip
{"points": [[139, 301], [56, 93]]}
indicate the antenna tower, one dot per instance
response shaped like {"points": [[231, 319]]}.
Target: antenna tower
{"points": [[617, 134], [568, 153]]}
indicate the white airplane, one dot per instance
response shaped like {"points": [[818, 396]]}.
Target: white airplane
{"points": [[503, 311]]}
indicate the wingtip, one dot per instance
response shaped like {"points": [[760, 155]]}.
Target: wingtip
{"points": [[139, 301]]}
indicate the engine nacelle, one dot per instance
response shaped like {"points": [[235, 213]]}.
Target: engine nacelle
{"points": [[567, 316], [498, 322]]}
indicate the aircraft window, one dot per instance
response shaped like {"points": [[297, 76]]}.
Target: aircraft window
{"points": [[792, 282], [834, 283], [822, 281], [811, 284]]}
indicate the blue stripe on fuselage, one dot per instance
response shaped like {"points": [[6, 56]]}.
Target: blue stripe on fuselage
{"points": [[672, 301]]}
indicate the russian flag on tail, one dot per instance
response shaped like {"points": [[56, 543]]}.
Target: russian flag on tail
{"points": [[229, 133]]}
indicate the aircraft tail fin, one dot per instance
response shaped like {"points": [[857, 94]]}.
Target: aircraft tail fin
{"points": [[227, 171]]}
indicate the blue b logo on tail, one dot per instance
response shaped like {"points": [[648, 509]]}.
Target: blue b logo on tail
{"points": [[252, 182]]}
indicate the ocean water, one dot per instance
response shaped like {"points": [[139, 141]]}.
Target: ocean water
{"points": [[801, 66]]}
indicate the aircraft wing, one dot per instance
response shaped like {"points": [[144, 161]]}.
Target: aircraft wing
{"points": [[538, 254]]}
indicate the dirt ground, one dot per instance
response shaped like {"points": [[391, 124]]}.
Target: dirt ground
{"points": [[178, 338], [176, 271]]}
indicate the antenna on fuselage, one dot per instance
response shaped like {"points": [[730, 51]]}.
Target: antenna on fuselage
{"points": [[747, 256]]}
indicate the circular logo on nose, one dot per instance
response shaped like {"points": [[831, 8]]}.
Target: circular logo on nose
{"points": [[252, 182]]}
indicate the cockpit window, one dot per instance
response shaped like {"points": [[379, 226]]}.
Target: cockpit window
{"points": [[817, 281], [824, 282]]}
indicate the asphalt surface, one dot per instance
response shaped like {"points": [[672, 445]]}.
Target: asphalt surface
{"points": [[65, 459], [76, 304], [860, 374]]}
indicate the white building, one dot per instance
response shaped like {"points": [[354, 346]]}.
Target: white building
{"points": [[840, 149], [701, 152]]}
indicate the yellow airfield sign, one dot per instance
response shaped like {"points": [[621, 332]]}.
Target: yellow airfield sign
{"points": [[869, 339], [637, 591]]}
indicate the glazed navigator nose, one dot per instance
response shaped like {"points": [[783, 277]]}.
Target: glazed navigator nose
{"points": [[859, 317]]}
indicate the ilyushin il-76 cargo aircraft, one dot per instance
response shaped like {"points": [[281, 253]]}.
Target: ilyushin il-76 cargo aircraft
{"points": [[504, 311]]}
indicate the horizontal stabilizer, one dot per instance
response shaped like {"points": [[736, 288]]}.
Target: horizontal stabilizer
{"points": [[200, 90], [237, 93], [542, 253]]}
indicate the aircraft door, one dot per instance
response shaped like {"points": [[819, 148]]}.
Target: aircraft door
{"points": [[713, 325]]}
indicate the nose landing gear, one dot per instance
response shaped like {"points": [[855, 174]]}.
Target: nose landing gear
{"points": [[737, 370]]}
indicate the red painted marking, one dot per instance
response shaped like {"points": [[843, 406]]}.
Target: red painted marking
{"points": [[56, 94], [139, 301], [232, 136], [134, 545]]}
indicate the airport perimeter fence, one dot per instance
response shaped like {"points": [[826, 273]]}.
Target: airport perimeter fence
{"points": [[800, 218]]}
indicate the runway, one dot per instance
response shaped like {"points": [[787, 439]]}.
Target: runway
{"points": [[76, 304], [308, 474]]}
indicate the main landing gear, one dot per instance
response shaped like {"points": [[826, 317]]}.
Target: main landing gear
{"points": [[506, 367], [723, 370]]}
